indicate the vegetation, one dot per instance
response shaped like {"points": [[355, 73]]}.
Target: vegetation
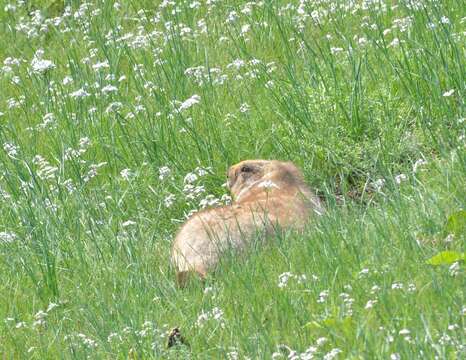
{"points": [[118, 120]]}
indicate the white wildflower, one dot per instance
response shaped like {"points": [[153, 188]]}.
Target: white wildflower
{"points": [[209, 200], [40, 318], [448, 93], [128, 223], [9, 7], [454, 269], [40, 65], [7, 237], [20, 325], [127, 174], [395, 356], [245, 28], [335, 50], [15, 103], [449, 238], [445, 339], [169, 200], [190, 178], [403, 24], [50, 205], [208, 289], [283, 279], [93, 171], [4, 194], [244, 108], [323, 296], [362, 41], [268, 184], [195, 99], [232, 16], [370, 304], [164, 172], [11, 149], [195, 5], [81, 93], [191, 192], [332, 354], [419, 163], [201, 171], [109, 89], [217, 313], [52, 306], [48, 121], [301, 278], [84, 142], [233, 355], [363, 272], [69, 185], [237, 64], [247, 9], [202, 318], [45, 171], [114, 106], [101, 65], [400, 178], [67, 80], [321, 341], [112, 336], [404, 332], [308, 354], [395, 42], [226, 199], [90, 343]]}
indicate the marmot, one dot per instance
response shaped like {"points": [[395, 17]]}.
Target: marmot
{"points": [[266, 194]]}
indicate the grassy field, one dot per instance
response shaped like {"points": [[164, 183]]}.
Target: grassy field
{"points": [[118, 120]]}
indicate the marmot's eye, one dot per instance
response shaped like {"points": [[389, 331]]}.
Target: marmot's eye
{"points": [[246, 169]]}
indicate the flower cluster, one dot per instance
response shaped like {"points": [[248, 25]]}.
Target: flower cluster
{"points": [[215, 315]]}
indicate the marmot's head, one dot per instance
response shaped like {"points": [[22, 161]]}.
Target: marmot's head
{"points": [[262, 174]]}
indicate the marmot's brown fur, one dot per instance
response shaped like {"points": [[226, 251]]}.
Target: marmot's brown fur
{"points": [[265, 193]]}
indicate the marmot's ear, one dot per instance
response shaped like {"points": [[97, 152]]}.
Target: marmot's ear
{"points": [[289, 172]]}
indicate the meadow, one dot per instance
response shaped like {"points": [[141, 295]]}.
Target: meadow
{"points": [[119, 120]]}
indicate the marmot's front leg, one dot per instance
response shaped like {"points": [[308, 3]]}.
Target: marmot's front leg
{"points": [[182, 277]]}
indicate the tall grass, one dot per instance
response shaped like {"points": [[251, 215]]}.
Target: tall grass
{"points": [[118, 120]]}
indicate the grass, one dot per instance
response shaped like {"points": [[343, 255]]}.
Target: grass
{"points": [[367, 98]]}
